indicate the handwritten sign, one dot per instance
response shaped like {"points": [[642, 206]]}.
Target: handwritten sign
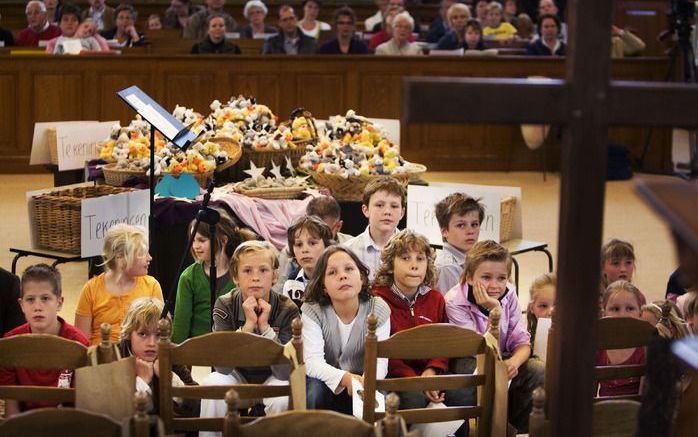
{"points": [[422, 200], [101, 213], [76, 142]]}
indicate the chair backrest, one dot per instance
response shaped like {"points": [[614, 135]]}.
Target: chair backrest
{"points": [[616, 418], [74, 422], [224, 349], [621, 333], [40, 351], [316, 423], [441, 340]]}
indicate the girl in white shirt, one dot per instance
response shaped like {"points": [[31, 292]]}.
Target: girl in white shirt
{"points": [[338, 301], [310, 25]]}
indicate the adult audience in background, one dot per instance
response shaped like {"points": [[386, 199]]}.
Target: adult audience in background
{"points": [[548, 43], [439, 26], [399, 44], [70, 42], [309, 24], [255, 12], [510, 13], [6, 37], [481, 11], [497, 28], [124, 31], [290, 40], [345, 43], [386, 32], [456, 17], [214, 42], [378, 17], [625, 43], [88, 28], [400, 6], [38, 26], [53, 10], [549, 7], [197, 28], [102, 14], [178, 14], [526, 28]]}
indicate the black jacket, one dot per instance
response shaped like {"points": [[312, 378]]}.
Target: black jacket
{"points": [[206, 46], [275, 45]]}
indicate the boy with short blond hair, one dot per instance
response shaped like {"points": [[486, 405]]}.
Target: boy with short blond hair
{"points": [[40, 301], [459, 217], [384, 203], [253, 308]]}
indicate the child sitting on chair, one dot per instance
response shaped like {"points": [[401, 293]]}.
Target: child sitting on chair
{"points": [[139, 338], [338, 301], [40, 300], [672, 326], [307, 239], [617, 263], [459, 217], [383, 204], [484, 287], [621, 299], [403, 281], [192, 313], [542, 302], [253, 308], [106, 298]]}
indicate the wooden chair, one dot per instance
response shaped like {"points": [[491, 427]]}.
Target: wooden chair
{"points": [[315, 423], [614, 418], [49, 422], [428, 341], [228, 349], [40, 351], [621, 333]]}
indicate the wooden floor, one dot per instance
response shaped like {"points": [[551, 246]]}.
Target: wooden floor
{"points": [[626, 217]]}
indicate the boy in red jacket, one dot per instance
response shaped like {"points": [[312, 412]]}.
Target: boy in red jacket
{"points": [[40, 301], [403, 281]]}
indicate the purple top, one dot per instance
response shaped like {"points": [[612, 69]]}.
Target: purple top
{"points": [[465, 314]]}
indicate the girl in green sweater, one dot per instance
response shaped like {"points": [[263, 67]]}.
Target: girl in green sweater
{"points": [[192, 315]]}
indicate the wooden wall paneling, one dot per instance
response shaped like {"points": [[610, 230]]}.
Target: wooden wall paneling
{"points": [[646, 19], [110, 106], [57, 95], [9, 144], [193, 89], [264, 87], [327, 98], [380, 95]]}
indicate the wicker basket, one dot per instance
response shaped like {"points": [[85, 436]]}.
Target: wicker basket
{"points": [[264, 159], [233, 149], [57, 215], [271, 193], [117, 176], [352, 188], [506, 218]]}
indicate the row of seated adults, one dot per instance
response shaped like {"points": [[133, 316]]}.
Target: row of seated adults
{"points": [[394, 37]]}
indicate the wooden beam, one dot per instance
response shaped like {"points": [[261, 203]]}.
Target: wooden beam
{"points": [[583, 171], [647, 104], [465, 100]]}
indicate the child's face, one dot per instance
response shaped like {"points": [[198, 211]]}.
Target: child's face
{"points": [[615, 269], [472, 36], [544, 302], [622, 304], [144, 343], [463, 230], [154, 23], [40, 306], [307, 248], [409, 270], [201, 248], [342, 278], [384, 212], [69, 25], [493, 276], [140, 265], [255, 275], [494, 18]]}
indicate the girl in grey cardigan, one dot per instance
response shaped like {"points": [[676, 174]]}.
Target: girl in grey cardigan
{"points": [[338, 301]]}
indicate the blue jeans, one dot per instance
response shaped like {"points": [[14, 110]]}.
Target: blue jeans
{"points": [[320, 397]]}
